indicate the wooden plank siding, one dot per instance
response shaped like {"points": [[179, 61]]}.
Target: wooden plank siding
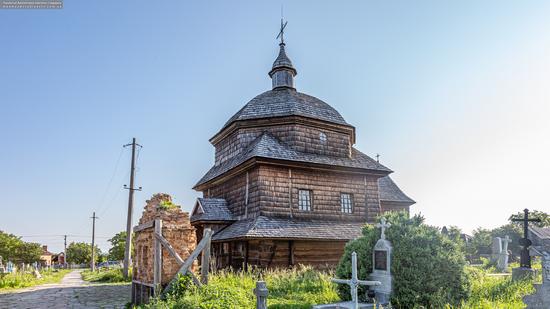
{"points": [[326, 187], [234, 192]]}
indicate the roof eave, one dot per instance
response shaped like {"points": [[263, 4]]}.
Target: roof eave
{"points": [[259, 160], [278, 120]]}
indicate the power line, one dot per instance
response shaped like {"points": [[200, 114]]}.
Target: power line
{"points": [[102, 202]]}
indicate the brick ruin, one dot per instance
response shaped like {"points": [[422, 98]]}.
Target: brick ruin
{"points": [[176, 228]]}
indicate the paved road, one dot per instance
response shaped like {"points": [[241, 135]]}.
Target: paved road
{"points": [[72, 293]]}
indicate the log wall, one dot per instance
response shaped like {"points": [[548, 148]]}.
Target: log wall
{"points": [[275, 183], [298, 136], [234, 192]]}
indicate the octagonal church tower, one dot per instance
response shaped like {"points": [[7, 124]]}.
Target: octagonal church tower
{"points": [[287, 186]]}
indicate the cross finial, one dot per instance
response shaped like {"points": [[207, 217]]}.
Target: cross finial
{"points": [[383, 225], [282, 30]]}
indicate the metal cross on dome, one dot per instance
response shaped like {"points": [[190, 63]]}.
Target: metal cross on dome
{"points": [[383, 225], [282, 31], [354, 282]]}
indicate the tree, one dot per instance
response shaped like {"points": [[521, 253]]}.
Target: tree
{"points": [[454, 233], [8, 246], [480, 242], [28, 252], [544, 218], [12, 248], [118, 245], [81, 253], [428, 268]]}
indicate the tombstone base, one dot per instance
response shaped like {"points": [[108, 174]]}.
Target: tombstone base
{"points": [[345, 305], [540, 299], [521, 273]]}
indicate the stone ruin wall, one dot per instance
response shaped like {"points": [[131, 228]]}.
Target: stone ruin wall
{"points": [[176, 228]]}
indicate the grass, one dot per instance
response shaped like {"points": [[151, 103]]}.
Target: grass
{"points": [[298, 288], [303, 287], [105, 275], [23, 280]]}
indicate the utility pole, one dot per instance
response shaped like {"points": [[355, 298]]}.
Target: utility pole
{"points": [[93, 241], [131, 189], [65, 252]]}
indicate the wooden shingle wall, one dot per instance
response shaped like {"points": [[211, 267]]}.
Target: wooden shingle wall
{"points": [[299, 137], [275, 183], [234, 192]]}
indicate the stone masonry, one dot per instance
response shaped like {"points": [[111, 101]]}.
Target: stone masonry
{"points": [[176, 228]]}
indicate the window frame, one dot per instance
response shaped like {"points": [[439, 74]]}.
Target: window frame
{"points": [[309, 201], [350, 206]]}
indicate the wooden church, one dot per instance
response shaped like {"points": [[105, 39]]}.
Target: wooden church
{"points": [[287, 187]]}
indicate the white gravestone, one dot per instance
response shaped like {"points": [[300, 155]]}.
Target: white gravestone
{"points": [[502, 262], [382, 266], [496, 249], [353, 283]]}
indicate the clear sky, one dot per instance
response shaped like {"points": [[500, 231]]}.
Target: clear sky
{"points": [[454, 95]]}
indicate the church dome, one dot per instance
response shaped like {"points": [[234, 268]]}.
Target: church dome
{"points": [[282, 102]]}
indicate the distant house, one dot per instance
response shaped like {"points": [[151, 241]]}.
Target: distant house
{"points": [[46, 257], [58, 259]]}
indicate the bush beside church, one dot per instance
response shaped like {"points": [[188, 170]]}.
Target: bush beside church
{"points": [[427, 267]]}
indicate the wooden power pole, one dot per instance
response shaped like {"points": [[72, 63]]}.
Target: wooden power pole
{"points": [[65, 252], [131, 189], [93, 241]]}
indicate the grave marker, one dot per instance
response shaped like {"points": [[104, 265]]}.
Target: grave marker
{"points": [[525, 263], [382, 265], [353, 283]]}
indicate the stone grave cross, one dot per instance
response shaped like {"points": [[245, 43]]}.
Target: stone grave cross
{"points": [[383, 225], [354, 282], [502, 262], [525, 242]]}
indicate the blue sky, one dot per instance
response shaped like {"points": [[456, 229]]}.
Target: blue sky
{"points": [[453, 95]]}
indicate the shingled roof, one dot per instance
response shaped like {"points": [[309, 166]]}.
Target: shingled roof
{"points": [[268, 146], [286, 102], [266, 227], [211, 209], [390, 192]]}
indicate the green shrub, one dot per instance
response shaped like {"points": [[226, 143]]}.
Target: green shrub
{"points": [[428, 268], [105, 275]]}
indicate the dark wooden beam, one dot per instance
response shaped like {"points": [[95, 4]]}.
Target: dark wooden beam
{"points": [[230, 254], [246, 256], [291, 253]]}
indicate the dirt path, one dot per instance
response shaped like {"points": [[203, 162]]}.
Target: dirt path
{"points": [[72, 292]]}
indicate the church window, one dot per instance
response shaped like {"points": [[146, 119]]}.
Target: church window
{"points": [[323, 138], [346, 203], [304, 200]]}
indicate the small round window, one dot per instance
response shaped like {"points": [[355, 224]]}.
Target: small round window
{"points": [[323, 138]]}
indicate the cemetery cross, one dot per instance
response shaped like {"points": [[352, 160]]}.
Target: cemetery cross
{"points": [[354, 282], [525, 242], [383, 225]]}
